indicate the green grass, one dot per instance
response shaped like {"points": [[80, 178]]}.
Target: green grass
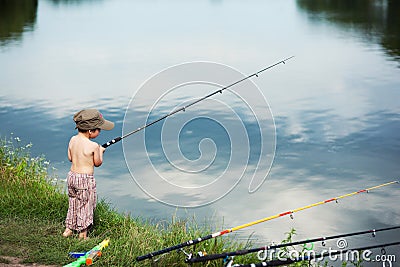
{"points": [[33, 210]]}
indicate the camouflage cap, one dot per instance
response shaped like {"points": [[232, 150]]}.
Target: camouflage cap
{"points": [[89, 119]]}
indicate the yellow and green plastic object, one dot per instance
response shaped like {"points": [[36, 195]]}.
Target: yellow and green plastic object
{"points": [[89, 257]]}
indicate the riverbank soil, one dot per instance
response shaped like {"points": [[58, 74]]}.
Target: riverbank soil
{"points": [[6, 261]]}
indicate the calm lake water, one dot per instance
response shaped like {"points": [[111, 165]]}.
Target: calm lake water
{"points": [[335, 106]]}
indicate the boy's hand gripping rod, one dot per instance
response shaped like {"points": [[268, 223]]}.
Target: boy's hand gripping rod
{"points": [[226, 231], [115, 140]]}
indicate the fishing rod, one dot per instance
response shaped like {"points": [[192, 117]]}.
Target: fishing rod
{"points": [[313, 256], [225, 255], [115, 140], [290, 212]]}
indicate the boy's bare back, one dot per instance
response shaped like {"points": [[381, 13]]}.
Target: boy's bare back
{"points": [[84, 154]]}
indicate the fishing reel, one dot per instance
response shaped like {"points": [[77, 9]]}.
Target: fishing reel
{"points": [[228, 262], [190, 255]]}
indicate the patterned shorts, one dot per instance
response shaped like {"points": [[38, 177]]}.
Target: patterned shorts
{"points": [[82, 200]]}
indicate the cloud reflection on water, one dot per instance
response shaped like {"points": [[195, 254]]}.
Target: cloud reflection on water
{"points": [[304, 171]]}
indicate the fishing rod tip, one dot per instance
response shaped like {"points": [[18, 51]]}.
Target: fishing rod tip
{"points": [[286, 59]]}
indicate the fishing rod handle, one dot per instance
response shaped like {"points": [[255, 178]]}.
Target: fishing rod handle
{"points": [[109, 143], [162, 251], [176, 247]]}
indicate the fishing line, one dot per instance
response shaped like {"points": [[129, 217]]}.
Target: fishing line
{"points": [[115, 140]]}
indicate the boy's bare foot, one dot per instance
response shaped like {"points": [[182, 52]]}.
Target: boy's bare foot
{"points": [[83, 235], [67, 232]]}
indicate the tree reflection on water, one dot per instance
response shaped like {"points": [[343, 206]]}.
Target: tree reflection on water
{"points": [[16, 17], [378, 21]]}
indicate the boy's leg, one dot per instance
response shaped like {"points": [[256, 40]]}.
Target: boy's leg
{"points": [[70, 220]]}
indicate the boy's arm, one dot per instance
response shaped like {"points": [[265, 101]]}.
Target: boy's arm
{"points": [[69, 153], [98, 155]]}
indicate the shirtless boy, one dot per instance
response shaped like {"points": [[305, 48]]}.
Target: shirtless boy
{"points": [[84, 155]]}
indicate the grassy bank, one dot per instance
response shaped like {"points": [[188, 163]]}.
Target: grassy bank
{"points": [[33, 209]]}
